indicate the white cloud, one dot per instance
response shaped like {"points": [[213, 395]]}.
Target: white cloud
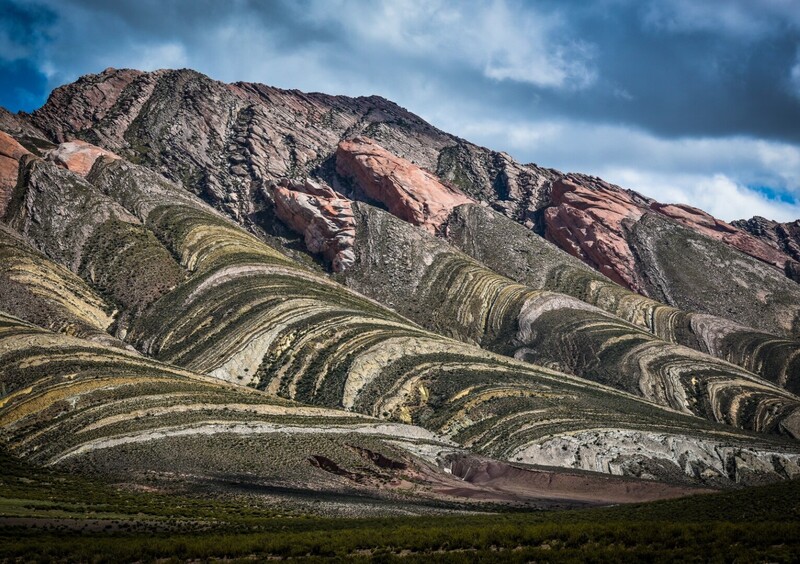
{"points": [[716, 194], [503, 42], [794, 75]]}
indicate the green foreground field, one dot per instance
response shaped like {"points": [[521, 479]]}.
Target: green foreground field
{"points": [[50, 516]]}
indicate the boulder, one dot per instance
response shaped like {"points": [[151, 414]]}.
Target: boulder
{"points": [[78, 156]]}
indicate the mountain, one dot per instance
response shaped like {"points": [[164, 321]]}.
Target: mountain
{"points": [[234, 288]]}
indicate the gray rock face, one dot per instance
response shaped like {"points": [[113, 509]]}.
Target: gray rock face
{"points": [[697, 273], [515, 252], [59, 211], [784, 237], [225, 140]]}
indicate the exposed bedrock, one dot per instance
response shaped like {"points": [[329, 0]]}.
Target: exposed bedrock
{"points": [[59, 211], [409, 192], [75, 225], [608, 220], [445, 291], [85, 407], [511, 250], [667, 252], [77, 156], [785, 237], [590, 222], [697, 273], [323, 217], [46, 294], [218, 139], [249, 315], [223, 141], [739, 239], [590, 219]]}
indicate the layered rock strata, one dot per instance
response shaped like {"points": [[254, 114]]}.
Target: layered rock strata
{"points": [[242, 311], [10, 154], [447, 292], [636, 242], [75, 225], [224, 140], [87, 408], [590, 223], [251, 316], [784, 237], [513, 251], [605, 218], [46, 294]]}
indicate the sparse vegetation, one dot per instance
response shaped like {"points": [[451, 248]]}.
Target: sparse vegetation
{"points": [[83, 520]]}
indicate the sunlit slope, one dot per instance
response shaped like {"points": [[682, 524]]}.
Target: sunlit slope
{"points": [[49, 295], [70, 402], [516, 252], [450, 293], [75, 225], [247, 314]]}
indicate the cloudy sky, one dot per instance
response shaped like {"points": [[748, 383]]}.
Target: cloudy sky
{"points": [[685, 101]]}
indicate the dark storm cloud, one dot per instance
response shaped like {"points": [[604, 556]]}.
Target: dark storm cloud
{"points": [[693, 100], [684, 78]]}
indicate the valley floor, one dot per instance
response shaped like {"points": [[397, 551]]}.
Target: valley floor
{"points": [[52, 516]]}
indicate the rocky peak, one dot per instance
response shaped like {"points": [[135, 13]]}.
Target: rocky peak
{"points": [[406, 190], [91, 100], [784, 237]]}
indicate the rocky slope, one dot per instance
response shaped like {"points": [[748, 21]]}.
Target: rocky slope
{"points": [[777, 359], [161, 230], [97, 410], [627, 237], [247, 314], [434, 284], [784, 237], [10, 154], [513, 251], [225, 141], [407, 191]]}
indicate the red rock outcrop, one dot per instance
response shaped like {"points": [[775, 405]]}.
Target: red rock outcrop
{"points": [[589, 217], [408, 192], [323, 217], [589, 222], [78, 156], [700, 221], [10, 154]]}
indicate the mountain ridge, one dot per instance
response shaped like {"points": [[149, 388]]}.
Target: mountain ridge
{"points": [[343, 255]]}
